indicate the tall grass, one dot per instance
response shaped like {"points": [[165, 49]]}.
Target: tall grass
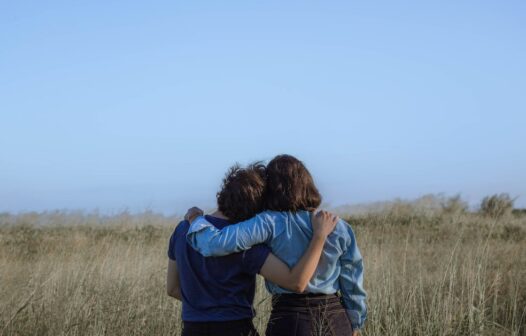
{"points": [[449, 273]]}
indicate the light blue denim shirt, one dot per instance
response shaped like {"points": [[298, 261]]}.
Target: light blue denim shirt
{"points": [[288, 234]]}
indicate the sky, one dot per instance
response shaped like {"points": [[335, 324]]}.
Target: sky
{"points": [[143, 105]]}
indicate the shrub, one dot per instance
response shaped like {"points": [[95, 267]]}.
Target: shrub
{"points": [[454, 205], [496, 206], [519, 212]]}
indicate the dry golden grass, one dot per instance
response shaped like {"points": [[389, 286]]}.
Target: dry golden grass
{"points": [[439, 274]]}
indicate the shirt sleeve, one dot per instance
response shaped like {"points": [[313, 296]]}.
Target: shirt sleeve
{"points": [[254, 258], [210, 241], [171, 246], [351, 283]]}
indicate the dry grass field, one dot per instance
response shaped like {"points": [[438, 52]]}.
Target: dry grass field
{"points": [[426, 274]]}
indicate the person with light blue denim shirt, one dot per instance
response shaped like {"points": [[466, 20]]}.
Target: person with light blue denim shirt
{"points": [[287, 230]]}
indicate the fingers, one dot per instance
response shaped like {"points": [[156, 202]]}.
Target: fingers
{"points": [[192, 213], [326, 219], [324, 214], [327, 215], [329, 218], [194, 210]]}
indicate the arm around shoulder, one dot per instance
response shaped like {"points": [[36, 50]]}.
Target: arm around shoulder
{"points": [[211, 241]]}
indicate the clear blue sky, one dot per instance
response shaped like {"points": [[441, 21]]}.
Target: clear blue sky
{"points": [[114, 104]]}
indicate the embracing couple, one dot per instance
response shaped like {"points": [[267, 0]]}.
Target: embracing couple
{"points": [[267, 223]]}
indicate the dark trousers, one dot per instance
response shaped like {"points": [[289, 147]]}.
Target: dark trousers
{"points": [[225, 328], [308, 315]]}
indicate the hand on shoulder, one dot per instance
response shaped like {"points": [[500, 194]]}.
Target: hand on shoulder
{"points": [[193, 213]]}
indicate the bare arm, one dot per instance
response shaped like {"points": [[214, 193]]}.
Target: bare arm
{"points": [[173, 287], [297, 278]]}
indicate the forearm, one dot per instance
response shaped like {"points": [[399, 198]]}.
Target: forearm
{"points": [[303, 271], [357, 314], [210, 241], [353, 294], [297, 278]]}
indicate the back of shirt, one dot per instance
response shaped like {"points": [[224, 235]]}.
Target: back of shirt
{"points": [[215, 288]]}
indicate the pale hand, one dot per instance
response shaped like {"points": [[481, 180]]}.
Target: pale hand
{"points": [[193, 213], [323, 223]]}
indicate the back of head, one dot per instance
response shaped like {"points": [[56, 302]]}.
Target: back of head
{"points": [[290, 186], [242, 192]]}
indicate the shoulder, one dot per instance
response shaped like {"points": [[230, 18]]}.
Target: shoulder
{"points": [[179, 233], [286, 216], [181, 229], [269, 218], [175, 239], [271, 215], [276, 221], [300, 216], [343, 227], [344, 232]]}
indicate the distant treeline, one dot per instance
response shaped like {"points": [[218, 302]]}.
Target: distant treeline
{"points": [[494, 206]]}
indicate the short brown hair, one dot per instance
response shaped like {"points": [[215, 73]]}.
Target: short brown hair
{"points": [[242, 192], [290, 186]]}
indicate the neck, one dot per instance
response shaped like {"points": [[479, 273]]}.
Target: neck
{"points": [[219, 214]]}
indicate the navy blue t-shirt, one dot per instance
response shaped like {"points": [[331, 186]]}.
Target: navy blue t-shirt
{"points": [[215, 288]]}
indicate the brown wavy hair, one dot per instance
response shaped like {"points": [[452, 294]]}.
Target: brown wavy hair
{"points": [[242, 193], [290, 186]]}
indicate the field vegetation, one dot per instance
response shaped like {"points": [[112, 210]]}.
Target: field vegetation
{"points": [[439, 270]]}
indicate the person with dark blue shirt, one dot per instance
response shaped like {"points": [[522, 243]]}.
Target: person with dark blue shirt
{"points": [[217, 293]]}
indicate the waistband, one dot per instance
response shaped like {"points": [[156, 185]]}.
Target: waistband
{"points": [[306, 301], [219, 323], [306, 296]]}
